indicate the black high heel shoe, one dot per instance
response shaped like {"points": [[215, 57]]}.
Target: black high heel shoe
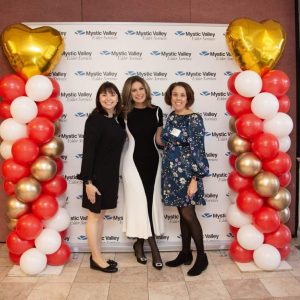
{"points": [[157, 265], [181, 259], [140, 259], [108, 269]]}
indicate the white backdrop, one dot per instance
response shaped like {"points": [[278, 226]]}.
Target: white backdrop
{"points": [[161, 54]]}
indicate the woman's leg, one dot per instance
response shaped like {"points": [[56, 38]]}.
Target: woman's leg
{"points": [[156, 259], [94, 229], [190, 217]]}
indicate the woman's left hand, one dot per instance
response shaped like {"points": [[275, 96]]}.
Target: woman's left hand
{"points": [[192, 188]]}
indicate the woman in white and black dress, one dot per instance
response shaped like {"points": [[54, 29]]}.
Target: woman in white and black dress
{"points": [[143, 209], [104, 136]]}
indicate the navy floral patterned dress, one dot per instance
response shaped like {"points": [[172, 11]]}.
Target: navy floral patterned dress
{"points": [[183, 157]]}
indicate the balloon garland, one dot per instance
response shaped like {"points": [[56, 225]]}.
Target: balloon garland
{"points": [[261, 126], [31, 109]]}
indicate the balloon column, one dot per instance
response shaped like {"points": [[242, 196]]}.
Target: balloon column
{"points": [[32, 173], [258, 107]]}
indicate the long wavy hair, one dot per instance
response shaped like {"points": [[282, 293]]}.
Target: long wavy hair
{"points": [[108, 87], [128, 102]]}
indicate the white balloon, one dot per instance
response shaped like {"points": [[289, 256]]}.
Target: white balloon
{"points": [[33, 262], [5, 149], [249, 237], [280, 125], [39, 87], [11, 130], [23, 109], [232, 196], [60, 221], [62, 200], [267, 257], [48, 241], [284, 143], [236, 217], [248, 83], [265, 105]]}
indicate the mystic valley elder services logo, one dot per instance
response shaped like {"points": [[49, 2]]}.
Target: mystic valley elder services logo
{"points": [[122, 55], [97, 75], [172, 55], [148, 75], [220, 217], [147, 35], [96, 34], [216, 55], [196, 35], [76, 96], [194, 75], [77, 55], [216, 95]]}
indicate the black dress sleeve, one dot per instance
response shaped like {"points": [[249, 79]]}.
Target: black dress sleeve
{"points": [[160, 117], [92, 134]]}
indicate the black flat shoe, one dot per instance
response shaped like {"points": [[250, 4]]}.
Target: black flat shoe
{"points": [[108, 269], [143, 259], [181, 259], [157, 265], [199, 266], [112, 262]]}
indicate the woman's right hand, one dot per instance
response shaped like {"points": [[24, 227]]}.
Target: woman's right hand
{"points": [[91, 192]]}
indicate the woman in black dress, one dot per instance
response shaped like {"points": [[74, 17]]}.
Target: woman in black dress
{"points": [[143, 209], [103, 142]]}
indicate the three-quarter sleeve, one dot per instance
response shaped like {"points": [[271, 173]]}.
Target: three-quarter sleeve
{"points": [[196, 132], [92, 134]]}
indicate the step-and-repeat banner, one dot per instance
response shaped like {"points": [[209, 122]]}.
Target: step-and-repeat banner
{"points": [[161, 54]]}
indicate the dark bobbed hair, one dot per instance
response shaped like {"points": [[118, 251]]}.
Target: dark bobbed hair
{"points": [[189, 93], [108, 87], [128, 102]]}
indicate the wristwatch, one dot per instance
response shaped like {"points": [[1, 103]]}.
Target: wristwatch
{"points": [[195, 178]]}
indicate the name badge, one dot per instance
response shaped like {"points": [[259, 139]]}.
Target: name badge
{"points": [[175, 132]]}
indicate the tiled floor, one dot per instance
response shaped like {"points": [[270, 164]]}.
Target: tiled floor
{"points": [[222, 280]]}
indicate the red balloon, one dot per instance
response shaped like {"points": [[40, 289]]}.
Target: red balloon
{"points": [[13, 171], [248, 201], [237, 182], [267, 220], [239, 254], [285, 179], [236, 105], [60, 257], [11, 87], [275, 82], [9, 187], [25, 151], [63, 234], [51, 109], [279, 165], [55, 186], [17, 245], [232, 159], [29, 227], [41, 130], [248, 126], [284, 104], [285, 251], [44, 206], [14, 258], [56, 88], [5, 110], [230, 83], [59, 165], [233, 230], [265, 146], [280, 237]]}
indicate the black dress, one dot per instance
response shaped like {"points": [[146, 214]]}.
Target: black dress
{"points": [[102, 146]]}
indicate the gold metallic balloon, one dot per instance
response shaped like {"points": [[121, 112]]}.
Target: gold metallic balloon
{"points": [[255, 46], [281, 200], [248, 164], [27, 189], [266, 184], [54, 148], [43, 168], [232, 124], [237, 145], [284, 215], [15, 208], [57, 127], [12, 223], [32, 51]]}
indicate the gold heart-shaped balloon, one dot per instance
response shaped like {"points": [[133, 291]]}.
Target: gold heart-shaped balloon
{"points": [[32, 51], [255, 46]]}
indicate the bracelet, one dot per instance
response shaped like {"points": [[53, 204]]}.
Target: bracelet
{"points": [[195, 178]]}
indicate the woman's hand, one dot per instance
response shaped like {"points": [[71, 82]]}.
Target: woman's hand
{"points": [[91, 192], [192, 188]]}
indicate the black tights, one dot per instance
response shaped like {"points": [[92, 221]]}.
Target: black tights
{"points": [[190, 228]]}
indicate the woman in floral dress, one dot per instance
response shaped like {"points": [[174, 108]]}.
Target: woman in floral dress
{"points": [[183, 167]]}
